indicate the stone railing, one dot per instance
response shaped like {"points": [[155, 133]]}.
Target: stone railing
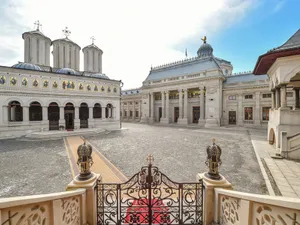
{"points": [[57, 208], [233, 208]]}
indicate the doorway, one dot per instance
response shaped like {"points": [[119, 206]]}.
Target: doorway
{"points": [[232, 117], [196, 114], [69, 116], [53, 116], [159, 113], [84, 115], [176, 114]]}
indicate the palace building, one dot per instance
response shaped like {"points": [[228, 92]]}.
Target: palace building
{"points": [[38, 97], [201, 90]]}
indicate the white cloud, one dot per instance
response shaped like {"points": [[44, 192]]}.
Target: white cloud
{"points": [[133, 34]]}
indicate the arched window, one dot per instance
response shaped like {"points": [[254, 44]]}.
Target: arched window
{"points": [[35, 112], [97, 112], [15, 111]]}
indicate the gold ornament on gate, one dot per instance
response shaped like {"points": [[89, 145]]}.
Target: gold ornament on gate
{"points": [[85, 161], [213, 161]]}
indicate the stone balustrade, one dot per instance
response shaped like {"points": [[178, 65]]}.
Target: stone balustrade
{"points": [[57, 208], [233, 208]]}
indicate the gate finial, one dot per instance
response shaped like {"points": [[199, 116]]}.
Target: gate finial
{"points": [[150, 159], [213, 160]]}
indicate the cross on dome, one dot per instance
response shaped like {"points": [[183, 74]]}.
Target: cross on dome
{"points": [[93, 39], [38, 24], [204, 39], [66, 32]]}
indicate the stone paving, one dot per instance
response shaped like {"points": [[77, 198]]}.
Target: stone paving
{"points": [[285, 173], [33, 167], [180, 153]]}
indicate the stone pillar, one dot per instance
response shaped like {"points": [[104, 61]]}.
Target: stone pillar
{"points": [[283, 97], [277, 105], [209, 195], [91, 196], [45, 118], [5, 118], [133, 111], [128, 113], [103, 115], [257, 109], [185, 105], [145, 116], [140, 109], [91, 117], [273, 99], [151, 120], [62, 121], [110, 112], [13, 113], [201, 120], [162, 105], [25, 115], [180, 104], [297, 101], [167, 107], [240, 117], [76, 118]]}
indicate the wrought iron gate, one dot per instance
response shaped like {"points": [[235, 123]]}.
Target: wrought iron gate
{"points": [[149, 197]]}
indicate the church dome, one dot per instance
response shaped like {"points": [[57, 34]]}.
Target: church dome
{"points": [[27, 66], [205, 49], [100, 75], [67, 71]]}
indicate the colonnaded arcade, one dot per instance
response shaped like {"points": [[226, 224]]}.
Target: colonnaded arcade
{"points": [[38, 97]]}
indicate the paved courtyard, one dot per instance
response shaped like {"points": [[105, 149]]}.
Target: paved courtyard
{"points": [[180, 153], [36, 167]]}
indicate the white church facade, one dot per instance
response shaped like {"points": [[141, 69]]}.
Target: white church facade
{"points": [[38, 97]]}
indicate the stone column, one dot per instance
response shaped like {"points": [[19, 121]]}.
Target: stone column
{"points": [[163, 105], [297, 101], [273, 99], [283, 96], [133, 111], [45, 118], [128, 112], [5, 118], [240, 117], [103, 115], [185, 108], [257, 109], [76, 118], [180, 104], [277, 105], [140, 108], [152, 107], [62, 121], [13, 113], [110, 112], [201, 120], [167, 107], [91, 117]]}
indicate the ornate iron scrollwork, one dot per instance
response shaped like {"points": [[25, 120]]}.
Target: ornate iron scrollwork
{"points": [[149, 197]]}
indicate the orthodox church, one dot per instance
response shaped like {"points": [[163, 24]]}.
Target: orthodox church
{"points": [[36, 96]]}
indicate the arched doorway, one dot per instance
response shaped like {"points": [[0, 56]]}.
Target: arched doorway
{"points": [[97, 111], [69, 116], [272, 138], [15, 112], [109, 111], [53, 116], [35, 112], [84, 115]]}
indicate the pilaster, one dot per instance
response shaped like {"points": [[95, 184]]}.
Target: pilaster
{"points": [[201, 120], [151, 119], [91, 117], [62, 121], [257, 109], [240, 118], [76, 118], [103, 115]]}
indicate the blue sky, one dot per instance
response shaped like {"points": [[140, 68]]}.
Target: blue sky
{"points": [[265, 26], [138, 34]]}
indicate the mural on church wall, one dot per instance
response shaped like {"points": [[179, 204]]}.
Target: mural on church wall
{"points": [[95, 88], [45, 83], [80, 86], [35, 83], [68, 85], [88, 87], [13, 81], [55, 84], [2, 80], [24, 82]]}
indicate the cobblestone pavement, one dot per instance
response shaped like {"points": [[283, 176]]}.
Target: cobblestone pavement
{"points": [[33, 167], [180, 153]]}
